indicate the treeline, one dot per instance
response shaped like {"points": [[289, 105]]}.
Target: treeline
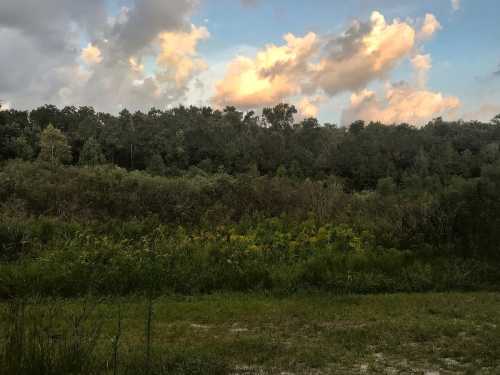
{"points": [[196, 140]]}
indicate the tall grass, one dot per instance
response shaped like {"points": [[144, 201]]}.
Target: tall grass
{"points": [[42, 338], [38, 343]]}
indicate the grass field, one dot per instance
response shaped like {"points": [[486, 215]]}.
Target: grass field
{"points": [[456, 333]]}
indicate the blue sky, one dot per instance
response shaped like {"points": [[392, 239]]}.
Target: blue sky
{"points": [[404, 61], [465, 52]]}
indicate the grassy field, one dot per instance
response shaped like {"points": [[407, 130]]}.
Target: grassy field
{"points": [[456, 333]]}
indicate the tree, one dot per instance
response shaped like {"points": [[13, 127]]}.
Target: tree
{"points": [[91, 154], [489, 152], [422, 163], [280, 117], [23, 148], [156, 165], [356, 127], [54, 147], [281, 171], [386, 186]]}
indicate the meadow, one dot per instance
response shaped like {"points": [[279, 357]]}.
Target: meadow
{"points": [[313, 333]]}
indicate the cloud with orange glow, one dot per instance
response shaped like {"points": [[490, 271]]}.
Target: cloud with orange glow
{"points": [[401, 104], [178, 56], [429, 27], [311, 64], [274, 75], [422, 64], [309, 106], [91, 55], [364, 53]]}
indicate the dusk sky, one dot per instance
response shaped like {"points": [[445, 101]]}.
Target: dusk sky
{"points": [[387, 60]]}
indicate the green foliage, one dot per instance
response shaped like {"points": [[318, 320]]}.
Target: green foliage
{"points": [[196, 200], [386, 186], [54, 147], [457, 217], [187, 137], [91, 154], [156, 165], [280, 117], [274, 255], [23, 148]]}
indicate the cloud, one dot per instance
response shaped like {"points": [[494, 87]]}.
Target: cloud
{"points": [[273, 75], [429, 27], [422, 62], [4, 106], [364, 53], [91, 55], [497, 72], [455, 4], [312, 64], [178, 56], [401, 104], [146, 20], [404, 103], [52, 24], [485, 112], [422, 65], [114, 70], [29, 74], [108, 73], [309, 106], [249, 3], [136, 66]]}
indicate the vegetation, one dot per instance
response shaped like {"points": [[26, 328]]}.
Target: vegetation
{"points": [[256, 334], [231, 201], [117, 259], [195, 140], [195, 201]]}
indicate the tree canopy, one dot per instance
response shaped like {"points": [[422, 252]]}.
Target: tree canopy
{"points": [[183, 139]]}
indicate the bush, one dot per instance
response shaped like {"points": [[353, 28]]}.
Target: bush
{"points": [[275, 255]]}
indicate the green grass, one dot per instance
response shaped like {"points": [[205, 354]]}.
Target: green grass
{"points": [[457, 333]]}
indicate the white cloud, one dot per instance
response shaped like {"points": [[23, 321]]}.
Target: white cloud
{"points": [[455, 4]]}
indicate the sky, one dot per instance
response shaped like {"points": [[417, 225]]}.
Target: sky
{"points": [[391, 61]]}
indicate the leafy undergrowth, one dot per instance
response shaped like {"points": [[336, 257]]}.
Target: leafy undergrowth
{"points": [[55, 259], [247, 334]]}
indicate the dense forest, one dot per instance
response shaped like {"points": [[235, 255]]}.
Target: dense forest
{"points": [[232, 200], [190, 141]]}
